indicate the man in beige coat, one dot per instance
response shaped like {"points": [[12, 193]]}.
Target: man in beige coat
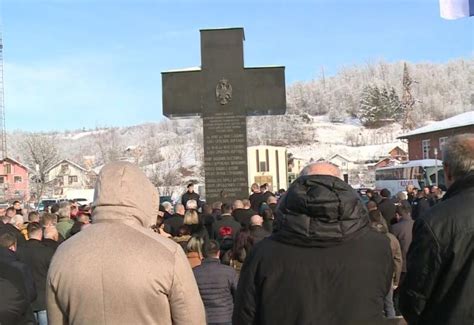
{"points": [[118, 271]]}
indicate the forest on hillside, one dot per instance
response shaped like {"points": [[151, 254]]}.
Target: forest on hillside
{"points": [[439, 90]]}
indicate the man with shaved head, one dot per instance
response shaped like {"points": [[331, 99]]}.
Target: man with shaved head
{"points": [[323, 262], [241, 214], [439, 284]]}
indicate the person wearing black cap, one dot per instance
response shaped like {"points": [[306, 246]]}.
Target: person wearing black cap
{"points": [[190, 195], [387, 208], [323, 264]]}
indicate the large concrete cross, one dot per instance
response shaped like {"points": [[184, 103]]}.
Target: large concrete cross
{"points": [[223, 92]]}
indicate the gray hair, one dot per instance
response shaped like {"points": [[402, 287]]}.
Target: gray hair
{"points": [[167, 205], [64, 210], [402, 196], [17, 220], [458, 155], [330, 169]]}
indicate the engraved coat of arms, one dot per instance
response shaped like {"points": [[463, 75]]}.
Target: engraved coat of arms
{"points": [[223, 91]]}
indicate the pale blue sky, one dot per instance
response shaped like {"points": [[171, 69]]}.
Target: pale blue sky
{"points": [[86, 63]]}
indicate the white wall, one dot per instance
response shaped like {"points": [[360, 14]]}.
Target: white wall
{"points": [[277, 178]]}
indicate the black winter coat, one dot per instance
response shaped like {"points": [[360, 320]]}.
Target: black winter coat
{"points": [[420, 207], [38, 257], [323, 264], [174, 223], [243, 216], [190, 196], [258, 233], [403, 231], [388, 210], [226, 220], [14, 304], [256, 200], [439, 284], [217, 285]]}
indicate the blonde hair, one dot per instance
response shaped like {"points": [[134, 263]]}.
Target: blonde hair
{"points": [[191, 217], [195, 244]]}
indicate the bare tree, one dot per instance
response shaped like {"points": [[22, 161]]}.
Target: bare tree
{"points": [[41, 153]]}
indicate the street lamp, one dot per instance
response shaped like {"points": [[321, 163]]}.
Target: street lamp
{"points": [[435, 151]]}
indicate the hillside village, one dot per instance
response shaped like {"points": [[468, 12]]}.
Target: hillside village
{"points": [[316, 127]]}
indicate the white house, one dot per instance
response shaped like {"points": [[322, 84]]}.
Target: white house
{"points": [[66, 175], [268, 164]]}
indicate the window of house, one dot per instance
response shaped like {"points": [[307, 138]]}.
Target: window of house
{"points": [[344, 164], [442, 143], [8, 168], [72, 179], [2, 180], [263, 166], [17, 179], [64, 168], [425, 146]]}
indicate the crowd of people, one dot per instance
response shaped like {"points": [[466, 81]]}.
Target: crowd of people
{"points": [[314, 254]]}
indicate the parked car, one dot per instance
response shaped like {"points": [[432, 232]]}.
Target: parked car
{"points": [[45, 203]]}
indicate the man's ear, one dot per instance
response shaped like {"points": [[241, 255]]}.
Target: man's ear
{"points": [[447, 173]]}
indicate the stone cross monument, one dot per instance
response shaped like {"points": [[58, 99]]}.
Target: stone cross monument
{"points": [[223, 92]]}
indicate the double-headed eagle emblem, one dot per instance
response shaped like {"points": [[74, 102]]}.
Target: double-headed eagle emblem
{"points": [[223, 91]]}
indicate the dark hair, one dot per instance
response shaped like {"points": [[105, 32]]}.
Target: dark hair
{"points": [[226, 208], [375, 216], [33, 227], [404, 209], [184, 230], [242, 245], [10, 209], [55, 208], [189, 185], [206, 209], [7, 239], [15, 202], [267, 214], [213, 248]]}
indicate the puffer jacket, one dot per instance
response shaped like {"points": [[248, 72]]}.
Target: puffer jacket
{"points": [[217, 284], [323, 263], [118, 271], [439, 285]]}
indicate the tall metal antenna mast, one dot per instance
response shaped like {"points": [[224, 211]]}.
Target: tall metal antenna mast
{"points": [[3, 133]]}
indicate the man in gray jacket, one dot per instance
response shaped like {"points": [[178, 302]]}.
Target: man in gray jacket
{"points": [[217, 284]]}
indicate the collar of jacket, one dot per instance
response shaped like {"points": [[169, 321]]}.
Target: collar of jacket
{"points": [[460, 185], [211, 260], [319, 211], [7, 255]]}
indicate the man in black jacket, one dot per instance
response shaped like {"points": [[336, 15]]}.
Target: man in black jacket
{"points": [[177, 220], [241, 214], [8, 248], [217, 284], [386, 207], [190, 195], [14, 304], [225, 220], [257, 232], [38, 257], [323, 263], [439, 285]]}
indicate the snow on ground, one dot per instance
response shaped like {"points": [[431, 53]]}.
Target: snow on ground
{"points": [[77, 136], [332, 138]]}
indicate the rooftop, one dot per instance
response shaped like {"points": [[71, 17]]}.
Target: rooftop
{"points": [[457, 121]]}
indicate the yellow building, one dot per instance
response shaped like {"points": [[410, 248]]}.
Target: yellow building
{"points": [[268, 164]]}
